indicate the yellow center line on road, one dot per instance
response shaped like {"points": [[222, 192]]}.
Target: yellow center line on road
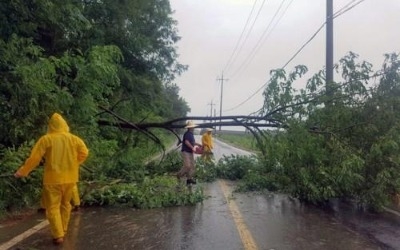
{"points": [[24, 235], [244, 233]]}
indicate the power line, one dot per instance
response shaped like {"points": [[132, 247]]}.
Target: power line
{"points": [[378, 73], [347, 9], [345, 6], [241, 35], [305, 44], [251, 27], [262, 38], [336, 14]]}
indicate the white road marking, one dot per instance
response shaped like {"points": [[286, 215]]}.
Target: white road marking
{"points": [[24, 235]]}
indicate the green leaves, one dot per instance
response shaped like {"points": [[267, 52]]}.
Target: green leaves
{"points": [[18, 193], [72, 57], [151, 193], [341, 138]]}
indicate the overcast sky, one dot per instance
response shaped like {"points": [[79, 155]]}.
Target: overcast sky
{"points": [[211, 29]]}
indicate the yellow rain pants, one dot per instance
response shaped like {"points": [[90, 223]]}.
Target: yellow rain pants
{"points": [[75, 201], [57, 198], [208, 145]]}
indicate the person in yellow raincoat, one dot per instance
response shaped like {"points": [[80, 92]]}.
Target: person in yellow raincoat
{"points": [[63, 153], [208, 145]]}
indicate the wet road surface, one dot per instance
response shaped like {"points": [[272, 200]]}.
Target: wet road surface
{"points": [[273, 222], [225, 220]]}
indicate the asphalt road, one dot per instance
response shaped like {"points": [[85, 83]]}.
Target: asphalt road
{"points": [[226, 220]]}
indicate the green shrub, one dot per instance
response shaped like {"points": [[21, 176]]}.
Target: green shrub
{"points": [[171, 163], [18, 193], [235, 167], [205, 171], [256, 181]]}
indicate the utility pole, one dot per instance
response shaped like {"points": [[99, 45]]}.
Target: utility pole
{"points": [[329, 46], [211, 107], [222, 79]]}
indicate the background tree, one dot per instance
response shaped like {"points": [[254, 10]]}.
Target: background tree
{"points": [[76, 56], [348, 149]]}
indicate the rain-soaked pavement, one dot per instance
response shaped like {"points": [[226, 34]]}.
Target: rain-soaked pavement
{"points": [[225, 220], [273, 221]]}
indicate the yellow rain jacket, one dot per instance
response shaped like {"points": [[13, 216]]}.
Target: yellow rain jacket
{"points": [[207, 142], [63, 153]]}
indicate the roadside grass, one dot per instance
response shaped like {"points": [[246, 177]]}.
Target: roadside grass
{"points": [[242, 141]]}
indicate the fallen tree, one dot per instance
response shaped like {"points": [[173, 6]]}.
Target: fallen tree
{"points": [[253, 124]]}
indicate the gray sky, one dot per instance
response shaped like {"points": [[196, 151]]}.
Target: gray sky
{"points": [[210, 31]]}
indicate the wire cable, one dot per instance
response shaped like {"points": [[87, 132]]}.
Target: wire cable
{"points": [[347, 9], [240, 38], [251, 28], [335, 15], [261, 40], [345, 6]]}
